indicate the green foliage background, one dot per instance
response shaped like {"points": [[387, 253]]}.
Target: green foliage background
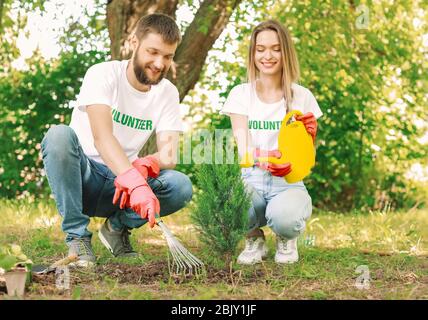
{"points": [[370, 82]]}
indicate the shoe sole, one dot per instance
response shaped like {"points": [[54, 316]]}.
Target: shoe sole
{"points": [[82, 264], [287, 262]]}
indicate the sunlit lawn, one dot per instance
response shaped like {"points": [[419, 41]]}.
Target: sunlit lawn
{"points": [[392, 245]]}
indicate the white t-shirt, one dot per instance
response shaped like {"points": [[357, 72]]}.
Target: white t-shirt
{"points": [[264, 119], [135, 114]]}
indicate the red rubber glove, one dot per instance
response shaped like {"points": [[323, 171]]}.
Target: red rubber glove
{"points": [[135, 193], [147, 166], [310, 123], [278, 170]]}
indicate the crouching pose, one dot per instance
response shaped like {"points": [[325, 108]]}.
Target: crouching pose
{"points": [[92, 165], [256, 110]]}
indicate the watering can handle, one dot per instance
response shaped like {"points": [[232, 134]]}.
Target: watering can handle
{"points": [[283, 125], [289, 115]]}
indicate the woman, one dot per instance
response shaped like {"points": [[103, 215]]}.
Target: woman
{"points": [[256, 110]]}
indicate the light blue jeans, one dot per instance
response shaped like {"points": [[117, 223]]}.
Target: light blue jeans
{"points": [[282, 206], [83, 188]]}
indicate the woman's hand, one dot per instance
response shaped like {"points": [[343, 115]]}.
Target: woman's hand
{"points": [[249, 159], [310, 123], [278, 170]]}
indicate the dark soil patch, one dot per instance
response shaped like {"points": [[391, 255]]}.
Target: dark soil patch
{"points": [[148, 273], [153, 272]]}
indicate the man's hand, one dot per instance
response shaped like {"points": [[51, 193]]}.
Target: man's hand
{"points": [[310, 123], [147, 166], [135, 193]]}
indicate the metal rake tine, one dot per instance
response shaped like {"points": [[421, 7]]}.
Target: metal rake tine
{"points": [[184, 250], [176, 264], [177, 260], [168, 235], [181, 263], [190, 259], [182, 258], [189, 255]]}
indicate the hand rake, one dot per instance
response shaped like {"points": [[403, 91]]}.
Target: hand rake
{"points": [[184, 262]]}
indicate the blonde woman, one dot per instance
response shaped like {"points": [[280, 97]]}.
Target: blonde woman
{"points": [[256, 110]]}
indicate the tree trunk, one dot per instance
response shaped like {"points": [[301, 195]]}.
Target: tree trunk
{"points": [[122, 16], [210, 20]]}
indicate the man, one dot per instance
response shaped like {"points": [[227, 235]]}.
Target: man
{"points": [[92, 165]]}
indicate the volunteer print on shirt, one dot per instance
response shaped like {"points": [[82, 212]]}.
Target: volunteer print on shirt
{"points": [[135, 114], [264, 119]]}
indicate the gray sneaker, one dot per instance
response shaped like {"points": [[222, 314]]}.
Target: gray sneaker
{"points": [[116, 241], [82, 248]]}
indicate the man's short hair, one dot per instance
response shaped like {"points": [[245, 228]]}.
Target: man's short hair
{"points": [[158, 23]]}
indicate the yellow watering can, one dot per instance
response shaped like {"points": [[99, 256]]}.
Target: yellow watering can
{"points": [[296, 146]]}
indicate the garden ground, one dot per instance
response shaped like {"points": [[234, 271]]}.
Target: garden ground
{"points": [[390, 246]]}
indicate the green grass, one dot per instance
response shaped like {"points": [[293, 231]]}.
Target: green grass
{"points": [[392, 245]]}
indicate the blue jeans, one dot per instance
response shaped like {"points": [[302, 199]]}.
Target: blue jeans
{"points": [[283, 206], [83, 188]]}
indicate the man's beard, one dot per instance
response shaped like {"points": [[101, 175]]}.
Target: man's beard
{"points": [[142, 76]]}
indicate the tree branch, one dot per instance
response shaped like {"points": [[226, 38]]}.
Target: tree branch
{"points": [[209, 22]]}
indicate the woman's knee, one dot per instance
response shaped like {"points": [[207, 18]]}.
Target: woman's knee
{"points": [[288, 213], [256, 213], [290, 228]]}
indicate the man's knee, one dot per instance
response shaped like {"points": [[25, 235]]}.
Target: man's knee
{"points": [[186, 189], [178, 186], [58, 141]]}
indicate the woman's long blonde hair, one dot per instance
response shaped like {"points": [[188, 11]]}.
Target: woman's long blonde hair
{"points": [[290, 64]]}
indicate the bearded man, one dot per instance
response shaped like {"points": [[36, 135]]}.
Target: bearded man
{"points": [[92, 165]]}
